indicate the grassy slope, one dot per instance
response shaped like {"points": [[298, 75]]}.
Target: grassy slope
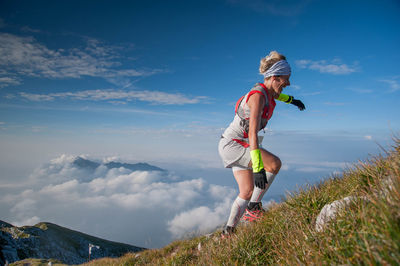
{"points": [[366, 232]]}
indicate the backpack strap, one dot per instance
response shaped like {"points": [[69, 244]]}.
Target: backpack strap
{"points": [[238, 104]]}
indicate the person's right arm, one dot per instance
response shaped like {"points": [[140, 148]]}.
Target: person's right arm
{"points": [[256, 103]]}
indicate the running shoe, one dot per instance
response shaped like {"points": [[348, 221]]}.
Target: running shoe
{"points": [[227, 232], [253, 214]]}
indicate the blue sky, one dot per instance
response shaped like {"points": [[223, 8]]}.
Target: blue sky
{"points": [[156, 81]]}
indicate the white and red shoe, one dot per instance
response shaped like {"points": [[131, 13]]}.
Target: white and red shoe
{"points": [[254, 214]]}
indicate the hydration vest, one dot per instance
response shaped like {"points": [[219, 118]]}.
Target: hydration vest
{"points": [[243, 110]]}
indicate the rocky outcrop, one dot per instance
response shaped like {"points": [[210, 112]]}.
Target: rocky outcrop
{"points": [[330, 211]]}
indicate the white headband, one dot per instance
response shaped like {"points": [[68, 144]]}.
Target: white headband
{"points": [[280, 68]]}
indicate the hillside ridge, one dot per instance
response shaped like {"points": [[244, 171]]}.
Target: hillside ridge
{"points": [[49, 240]]}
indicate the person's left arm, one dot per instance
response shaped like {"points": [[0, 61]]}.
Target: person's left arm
{"points": [[290, 99]]}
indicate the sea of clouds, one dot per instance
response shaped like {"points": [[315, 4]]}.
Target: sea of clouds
{"points": [[143, 208], [152, 208]]}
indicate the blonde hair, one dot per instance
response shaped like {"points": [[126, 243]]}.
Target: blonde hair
{"points": [[269, 60]]}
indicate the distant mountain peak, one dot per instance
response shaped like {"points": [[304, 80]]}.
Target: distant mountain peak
{"points": [[133, 167], [91, 165], [85, 163]]}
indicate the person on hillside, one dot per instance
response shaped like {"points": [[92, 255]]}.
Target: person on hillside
{"points": [[254, 168]]}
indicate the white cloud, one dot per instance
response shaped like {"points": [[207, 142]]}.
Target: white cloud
{"points": [[156, 97], [393, 83], [314, 166], [6, 81], [368, 137], [295, 87], [285, 167], [335, 67], [25, 56], [332, 164], [31, 220], [36, 97], [23, 205], [138, 206], [323, 164], [311, 169], [29, 29], [111, 109], [201, 220]]}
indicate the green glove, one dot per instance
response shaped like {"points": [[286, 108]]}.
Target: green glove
{"points": [[299, 104]]}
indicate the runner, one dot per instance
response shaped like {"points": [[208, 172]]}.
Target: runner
{"points": [[254, 168]]}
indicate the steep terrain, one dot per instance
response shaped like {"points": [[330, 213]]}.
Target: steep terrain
{"points": [[47, 240], [364, 230]]}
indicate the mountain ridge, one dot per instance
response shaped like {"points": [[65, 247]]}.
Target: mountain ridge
{"points": [[50, 241], [88, 164]]}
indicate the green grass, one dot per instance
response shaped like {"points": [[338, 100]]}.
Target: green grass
{"points": [[366, 232]]}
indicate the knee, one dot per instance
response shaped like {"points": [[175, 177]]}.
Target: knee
{"points": [[246, 194], [276, 165]]}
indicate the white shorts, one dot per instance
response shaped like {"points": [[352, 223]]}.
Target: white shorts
{"points": [[235, 154]]}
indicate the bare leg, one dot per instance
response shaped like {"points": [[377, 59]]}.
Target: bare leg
{"points": [[244, 178]]}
